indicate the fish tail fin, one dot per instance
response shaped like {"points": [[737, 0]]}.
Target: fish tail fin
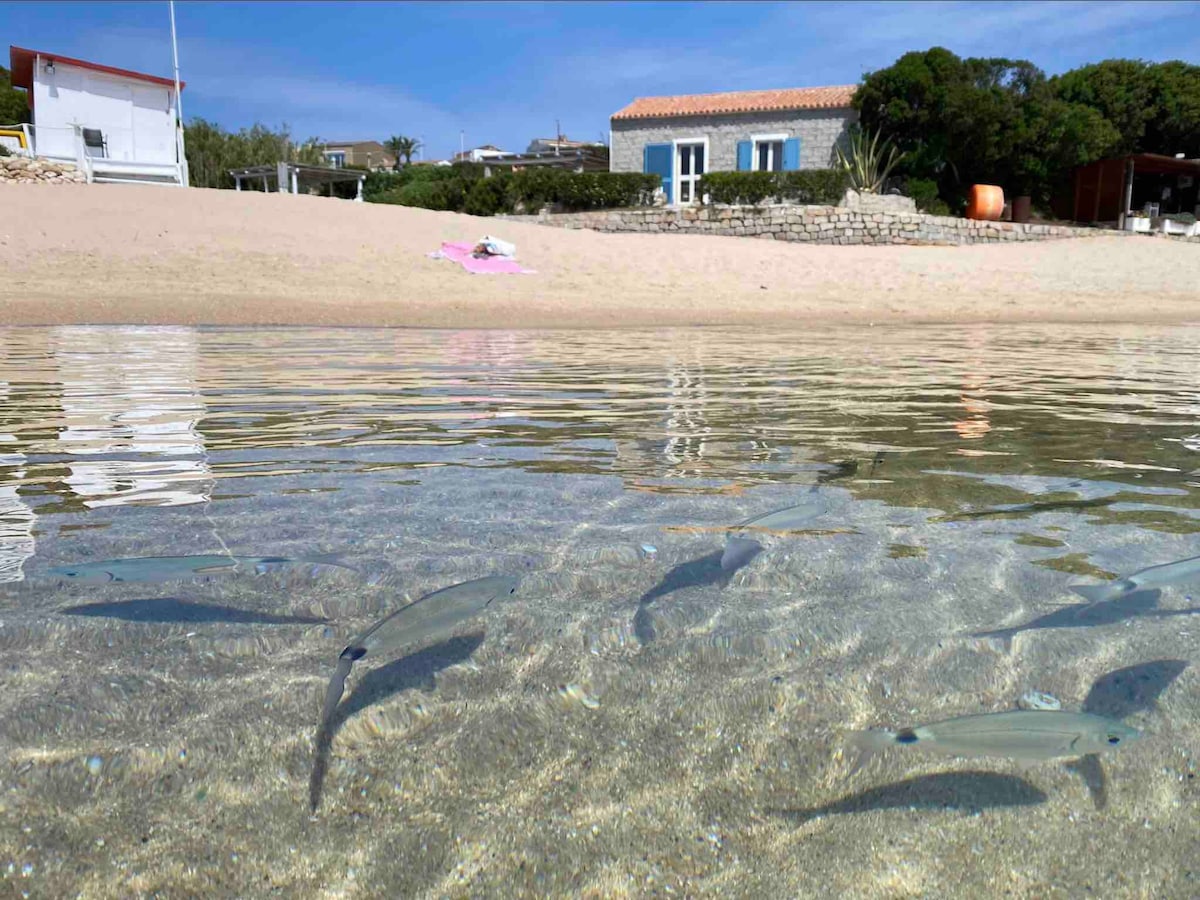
{"points": [[337, 685], [861, 746], [1094, 593]]}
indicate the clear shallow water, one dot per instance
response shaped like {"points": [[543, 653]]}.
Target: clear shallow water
{"points": [[629, 723]]}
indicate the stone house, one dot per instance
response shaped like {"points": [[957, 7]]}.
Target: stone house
{"points": [[681, 138], [365, 154]]}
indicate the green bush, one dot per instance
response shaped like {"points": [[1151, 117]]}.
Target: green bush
{"points": [[488, 196], [464, 188], [733, 188], [444, 194], [924, 192], [823, 187]]}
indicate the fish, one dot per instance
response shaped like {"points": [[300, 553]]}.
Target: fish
{"points": [[1151, 577], [787, 518], [1030, 735], [433, 615], [153, 569]]}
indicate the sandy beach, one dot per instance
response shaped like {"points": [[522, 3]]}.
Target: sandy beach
{"points": [[131, 254]]}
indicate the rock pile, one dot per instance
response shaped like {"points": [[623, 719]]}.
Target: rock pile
{"points": [[22, 169]]}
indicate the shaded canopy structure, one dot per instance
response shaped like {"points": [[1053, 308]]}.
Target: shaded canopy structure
{"points": [[1109, 190], [290, 178]]}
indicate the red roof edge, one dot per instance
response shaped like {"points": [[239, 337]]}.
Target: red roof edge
{"points": [[20, 62]]}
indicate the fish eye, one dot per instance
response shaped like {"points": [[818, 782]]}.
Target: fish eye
{"points": [[1113, 739]]}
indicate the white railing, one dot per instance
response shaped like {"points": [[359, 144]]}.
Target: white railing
{"points": [[65, 144]]}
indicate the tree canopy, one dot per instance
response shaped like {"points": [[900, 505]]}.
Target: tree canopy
{"points": [[1002, 121], [14, 105], [402, 148], [212, 151]]}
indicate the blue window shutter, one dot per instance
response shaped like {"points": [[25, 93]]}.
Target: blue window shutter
{"points": [[744, 151], [656, 160], [791, 154]]}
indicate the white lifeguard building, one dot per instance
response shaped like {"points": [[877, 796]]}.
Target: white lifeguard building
{"points": [[116, 125]]}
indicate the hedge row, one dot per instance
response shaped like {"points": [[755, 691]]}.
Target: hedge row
{"points": [[821, 187], [464, 188]]}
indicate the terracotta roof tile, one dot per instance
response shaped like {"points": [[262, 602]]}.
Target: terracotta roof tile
{"points": [[837, 97]]}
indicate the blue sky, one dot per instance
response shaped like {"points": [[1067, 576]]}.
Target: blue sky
{"points": [[503, 72]]}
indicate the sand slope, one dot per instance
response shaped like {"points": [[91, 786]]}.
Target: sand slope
{"points": [[130, 254]]}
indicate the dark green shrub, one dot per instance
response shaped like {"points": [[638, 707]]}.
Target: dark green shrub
{"points": [[446, 194], [823, 187], [737, 188], [464, 188], [488, 196], [924, 192]]}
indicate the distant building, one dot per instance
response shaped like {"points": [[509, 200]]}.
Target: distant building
{"points": [[560, 144], [680, 138], [115, 124], [364, 154], [480, 154]]}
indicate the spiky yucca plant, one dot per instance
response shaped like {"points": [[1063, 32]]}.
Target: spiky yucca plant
{"points": [[868, 162]]}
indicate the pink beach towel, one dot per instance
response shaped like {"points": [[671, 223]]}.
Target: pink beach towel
{"points": [[486, 265]]}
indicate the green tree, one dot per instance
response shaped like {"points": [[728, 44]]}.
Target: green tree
{"points": [[966, 121], [402, 147], [1175, 93], [14, 103], [212, 151], [1120, 90]]}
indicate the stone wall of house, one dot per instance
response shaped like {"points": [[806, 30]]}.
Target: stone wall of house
{"points": [[812, 224], [22, 169], [817, 129]]}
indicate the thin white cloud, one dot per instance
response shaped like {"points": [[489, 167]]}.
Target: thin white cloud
{"points": [[251, 84]]}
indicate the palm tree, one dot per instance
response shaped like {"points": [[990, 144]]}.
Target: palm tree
{"points": [[400, 146]]}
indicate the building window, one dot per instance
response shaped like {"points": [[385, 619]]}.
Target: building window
{"points": [[768, 153], [336, 158]]}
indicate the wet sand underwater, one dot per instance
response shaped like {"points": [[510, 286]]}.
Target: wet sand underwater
{"points": [[632, 721]]}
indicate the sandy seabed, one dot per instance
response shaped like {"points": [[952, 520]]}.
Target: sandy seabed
{"points": [[109, 254]]}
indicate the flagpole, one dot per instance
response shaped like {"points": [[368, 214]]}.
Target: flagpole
{"points": [[183, 167]]}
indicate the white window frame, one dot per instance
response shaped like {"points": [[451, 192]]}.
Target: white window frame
{"points": [[676, 177], [756, 139], [336, 158]]}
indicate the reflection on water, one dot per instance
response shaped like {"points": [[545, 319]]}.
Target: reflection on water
{"points": [[130, 407], [153, 416], [628, 727]]}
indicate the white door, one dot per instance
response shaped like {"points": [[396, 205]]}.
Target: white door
{"points": [[690, 162]]}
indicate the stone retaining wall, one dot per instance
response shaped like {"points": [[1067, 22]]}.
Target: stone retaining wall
{"points": [[22, 169], [812, 224]]}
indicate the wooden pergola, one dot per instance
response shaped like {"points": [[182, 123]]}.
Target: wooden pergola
{"points": [[288, 178], [1104, 190]]}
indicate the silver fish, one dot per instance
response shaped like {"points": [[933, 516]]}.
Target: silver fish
{"points": [[433, 615], [787, 518], [176, 568], [1017, 734], [1152, 577]]}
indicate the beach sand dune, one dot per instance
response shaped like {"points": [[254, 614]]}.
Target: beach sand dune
{"points": [[133, 254]]}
